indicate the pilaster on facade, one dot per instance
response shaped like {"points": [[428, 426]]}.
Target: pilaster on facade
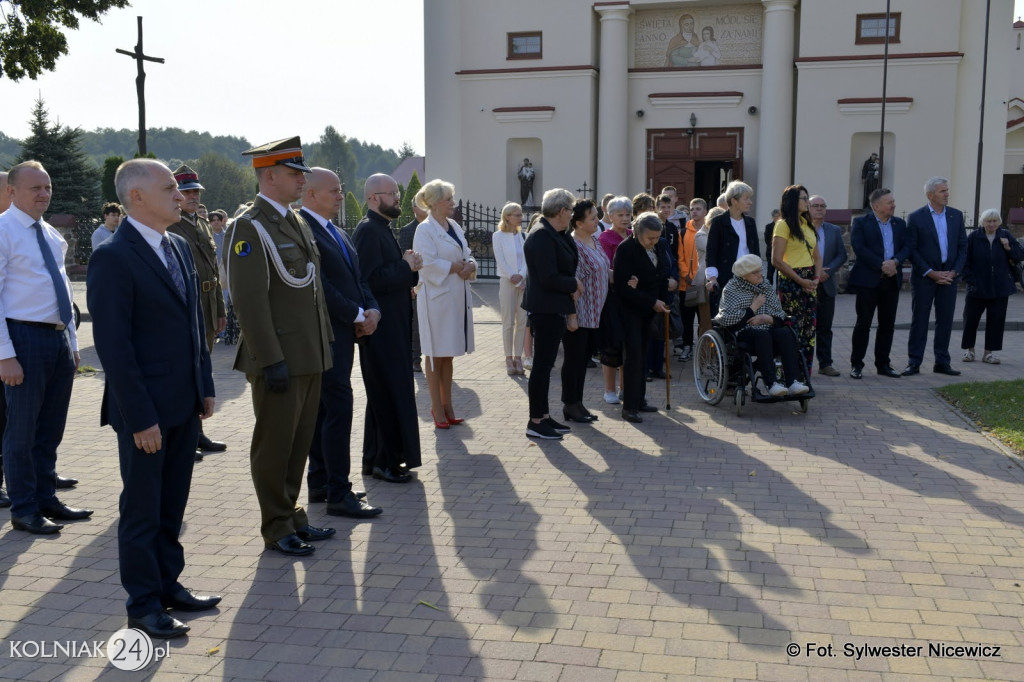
{"points": [[613, 90]]}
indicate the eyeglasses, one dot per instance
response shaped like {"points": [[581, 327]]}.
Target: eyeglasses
{"points": [[396, 194], [818, 205]]}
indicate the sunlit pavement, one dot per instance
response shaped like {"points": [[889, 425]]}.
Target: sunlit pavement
{"points": [[697, 545]]}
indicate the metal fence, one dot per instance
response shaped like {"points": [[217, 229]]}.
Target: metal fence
{"points": [[479, 222]]}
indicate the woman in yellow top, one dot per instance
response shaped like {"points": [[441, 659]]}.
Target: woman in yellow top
{"points": [[796, 257]]}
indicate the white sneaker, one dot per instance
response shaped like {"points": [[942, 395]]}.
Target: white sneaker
{"points": [[778, 390], [611, 398], [527, 362], [798, 388]]}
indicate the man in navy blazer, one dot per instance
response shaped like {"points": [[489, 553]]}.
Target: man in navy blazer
{"points": [[833, 255], [354, 314], [938, 252], [880, 246], [151, 339]]}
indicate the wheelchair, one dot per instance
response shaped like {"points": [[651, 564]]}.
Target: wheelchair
{"points": [[721, 363]]}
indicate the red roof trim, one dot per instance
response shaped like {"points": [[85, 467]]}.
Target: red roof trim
{"points": [[579, 67], [727, 93], [507, 109]]}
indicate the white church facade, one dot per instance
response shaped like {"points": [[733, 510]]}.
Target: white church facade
{"points": [[633, 96]]}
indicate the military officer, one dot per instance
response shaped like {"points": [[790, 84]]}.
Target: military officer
{"points": [[273, 273], [197, 232]]}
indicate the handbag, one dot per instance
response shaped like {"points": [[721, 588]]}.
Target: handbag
{"points": [[693, 296]]}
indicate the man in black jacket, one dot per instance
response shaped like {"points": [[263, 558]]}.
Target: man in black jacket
{"points": [[392, 429], [405, 237]]}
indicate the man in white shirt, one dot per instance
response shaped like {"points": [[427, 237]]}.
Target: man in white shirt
{"points": [[38, 351]]}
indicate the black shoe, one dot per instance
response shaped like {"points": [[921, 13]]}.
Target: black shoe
{"points": [[911, 370], [647, 407], [62, 512], [857, 372], [184, 600], [576, 413], [37, 524], [354, 507], [591, 417], [65, 483], [291, 545], [417, 367], [946, 369], [557, 426], [313, 534], [5, 501], [888, 371], [632, 417], [207, 445], [390, 476], [199, 455], [159, 625], [542, 430]]}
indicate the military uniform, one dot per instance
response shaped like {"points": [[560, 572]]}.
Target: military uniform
{"points": [[199, 235], [281, 321]]}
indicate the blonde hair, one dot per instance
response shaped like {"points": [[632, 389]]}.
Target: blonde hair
{"points": [[506, 211], [432, 192], [713, 213]]}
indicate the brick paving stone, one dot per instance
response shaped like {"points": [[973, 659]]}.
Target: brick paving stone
{"points": [[694, 547]]}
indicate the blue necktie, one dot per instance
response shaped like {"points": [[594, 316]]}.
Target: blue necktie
{"points": [[59, 287], [337, 237], [172, 267]]}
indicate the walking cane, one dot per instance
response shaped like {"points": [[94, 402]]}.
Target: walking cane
{"points": [[668, 374]]}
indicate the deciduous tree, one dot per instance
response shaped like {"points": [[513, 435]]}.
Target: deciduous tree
{"points": [[32, 32]]}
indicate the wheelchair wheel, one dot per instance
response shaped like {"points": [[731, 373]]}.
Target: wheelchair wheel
{"points": [[77, 314], [741, 399], [710, 367]]}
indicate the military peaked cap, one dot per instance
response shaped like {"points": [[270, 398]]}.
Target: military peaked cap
{"points": [[286, 152], [187, 178]]}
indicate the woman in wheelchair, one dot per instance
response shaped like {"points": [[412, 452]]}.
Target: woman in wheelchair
{"points": [[750, 309]]}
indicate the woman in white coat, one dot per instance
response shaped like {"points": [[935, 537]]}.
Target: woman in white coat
{"points": [[444, 304], [507, 243]]}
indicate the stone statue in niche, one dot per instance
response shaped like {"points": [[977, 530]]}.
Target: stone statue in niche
{"points": [[526, 175], [869, 176]]}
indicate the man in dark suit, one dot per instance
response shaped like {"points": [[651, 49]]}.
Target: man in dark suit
{"points": [[938, 251], [880, 246], [143, 293], [354, 315], [405, 237], [392, 428], [730, 235], [833, 255]]}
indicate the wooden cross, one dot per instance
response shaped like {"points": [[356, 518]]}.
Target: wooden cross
{"points": [[140, 85]]}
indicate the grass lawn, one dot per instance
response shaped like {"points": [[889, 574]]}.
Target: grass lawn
{"points": [[995, 406]]}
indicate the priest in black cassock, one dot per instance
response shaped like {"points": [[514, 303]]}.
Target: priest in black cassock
{"points": [[392, 435]]}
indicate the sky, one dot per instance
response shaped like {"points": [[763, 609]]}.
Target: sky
{"points": [[353, 64]]}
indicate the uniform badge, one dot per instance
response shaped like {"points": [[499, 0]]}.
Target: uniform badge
{"points": [[242, 249]]}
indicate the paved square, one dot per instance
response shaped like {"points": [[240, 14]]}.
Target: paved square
{"points": [[697, 545]]}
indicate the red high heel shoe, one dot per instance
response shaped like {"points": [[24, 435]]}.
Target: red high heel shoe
{"points": [[454, 420], [437, 424]]}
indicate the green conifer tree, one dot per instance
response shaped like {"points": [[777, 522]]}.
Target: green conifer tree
{"points": [[76, 186], [107, 187], [353, 211]]}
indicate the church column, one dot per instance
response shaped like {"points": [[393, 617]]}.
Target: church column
{"points": [[612, 100], [775, 140]]}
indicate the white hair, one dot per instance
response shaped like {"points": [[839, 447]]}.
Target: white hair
{"points": [[933, 183], [988, 214], [131, 174], [620, 204]]}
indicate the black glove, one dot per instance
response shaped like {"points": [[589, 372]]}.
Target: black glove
{"points": [[276, 376]]}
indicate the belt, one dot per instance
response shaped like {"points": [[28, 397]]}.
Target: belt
{"points": [[208, 285], [57, 327]]}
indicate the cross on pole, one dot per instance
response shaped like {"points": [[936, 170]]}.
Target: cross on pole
{"points": [[140, 85]]}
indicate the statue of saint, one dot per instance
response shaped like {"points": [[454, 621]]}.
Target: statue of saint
{"points": [[869, 176], [526, 177]]}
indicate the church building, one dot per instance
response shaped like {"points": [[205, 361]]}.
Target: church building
{"points": [[633, 96]]}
